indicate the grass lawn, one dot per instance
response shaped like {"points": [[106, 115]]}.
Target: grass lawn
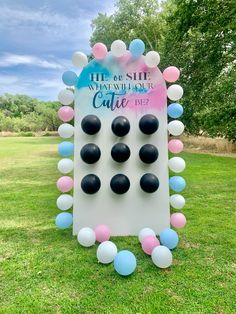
{"points": [[44, 270]]}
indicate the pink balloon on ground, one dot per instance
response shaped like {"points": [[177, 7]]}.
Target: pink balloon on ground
{"points": [[66, 113], [99, 51], [171, 74], [102, 233], [149, 243], [65, 184], [178, 220], [175, 146]]}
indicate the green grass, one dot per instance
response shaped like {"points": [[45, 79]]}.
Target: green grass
{"points": [[44, 270]]}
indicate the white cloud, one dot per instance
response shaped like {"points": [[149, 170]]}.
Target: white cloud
{"points": [[44, 89], [9, 59]]}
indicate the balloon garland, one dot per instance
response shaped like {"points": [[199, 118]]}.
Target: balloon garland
{"points": [[160, 249]]}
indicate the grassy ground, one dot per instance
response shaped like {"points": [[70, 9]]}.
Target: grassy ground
{"points": [[44, 270]]}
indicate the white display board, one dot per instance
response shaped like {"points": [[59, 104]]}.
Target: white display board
{"points": [[121, 87]]}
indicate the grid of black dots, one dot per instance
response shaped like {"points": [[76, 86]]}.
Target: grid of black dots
{"points": [[120, 152]]}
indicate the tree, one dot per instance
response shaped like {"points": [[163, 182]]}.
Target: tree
{"points": [[198, 36]]}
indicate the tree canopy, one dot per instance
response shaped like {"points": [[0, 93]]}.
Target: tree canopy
{"points": [[198, 36]]}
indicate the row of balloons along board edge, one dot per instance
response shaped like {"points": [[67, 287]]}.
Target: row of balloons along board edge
{"points": [[125, 261], [118, 49]]}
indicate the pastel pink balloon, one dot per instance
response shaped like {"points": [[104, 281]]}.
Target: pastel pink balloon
{"points": [[102, 233], [171, 74], [175, 146], [66, 113], [99, 51], [149, 243], [178, 220], [65, 184]]}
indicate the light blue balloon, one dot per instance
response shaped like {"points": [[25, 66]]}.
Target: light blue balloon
{"points": [[125, 263], [175, 110], [64, 220], [66, 149], [169, 238], [69, 78], [177, 183], [136, 47]]}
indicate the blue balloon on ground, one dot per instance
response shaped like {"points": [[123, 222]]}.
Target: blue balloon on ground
{"points": [[136, 47], [169, 238], [69, 78], [64, 220], [177, 183], [175, 110], [125, 263], [66, 149]]}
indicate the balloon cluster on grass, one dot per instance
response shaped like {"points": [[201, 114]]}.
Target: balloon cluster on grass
{"points": [[107, 252], [159, 249]]}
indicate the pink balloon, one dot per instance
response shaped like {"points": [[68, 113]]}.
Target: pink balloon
{"points": [[171, 74], [66, 113], [178, 220], [149, 243], [102, 233], [99, 51], [65, 184], [175, 146]]}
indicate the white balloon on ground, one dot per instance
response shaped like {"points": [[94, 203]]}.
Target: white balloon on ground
{"points": [[66, 130], [65, 165], [79, 59], [175, 127], [86, 237], [177, 164], [106, 252], [66, 97], [177, 201], [152, 59], [118, 48], [143, 233], [64, 201], [175, 92], [162, 256]]}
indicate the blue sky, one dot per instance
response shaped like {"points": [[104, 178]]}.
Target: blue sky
{"points": [[37, 40]]}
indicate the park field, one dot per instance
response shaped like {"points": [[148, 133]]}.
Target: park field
{"points": [[44, 270]]}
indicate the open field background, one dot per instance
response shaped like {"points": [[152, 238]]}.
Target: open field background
{"points": [[44, 270]]}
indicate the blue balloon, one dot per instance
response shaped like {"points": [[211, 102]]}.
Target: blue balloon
{"points": [[169, 238], [175, 110], [125, 263], [66, 149], [64, 220], [136, 47], [177, 183], [69, 78]]}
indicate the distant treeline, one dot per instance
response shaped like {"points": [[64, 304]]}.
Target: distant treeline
{"points": [[20, 113]]}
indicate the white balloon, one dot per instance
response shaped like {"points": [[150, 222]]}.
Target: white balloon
{"points": [[64, 201], [162, 256], [152, 59], [86, 237], [79, 59], [144, 233], [177, 201], [175, 127], [106, 252], [118, 48], [65, 165], [175, 92], [177, 164], [66, 97], [66, 130]]}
